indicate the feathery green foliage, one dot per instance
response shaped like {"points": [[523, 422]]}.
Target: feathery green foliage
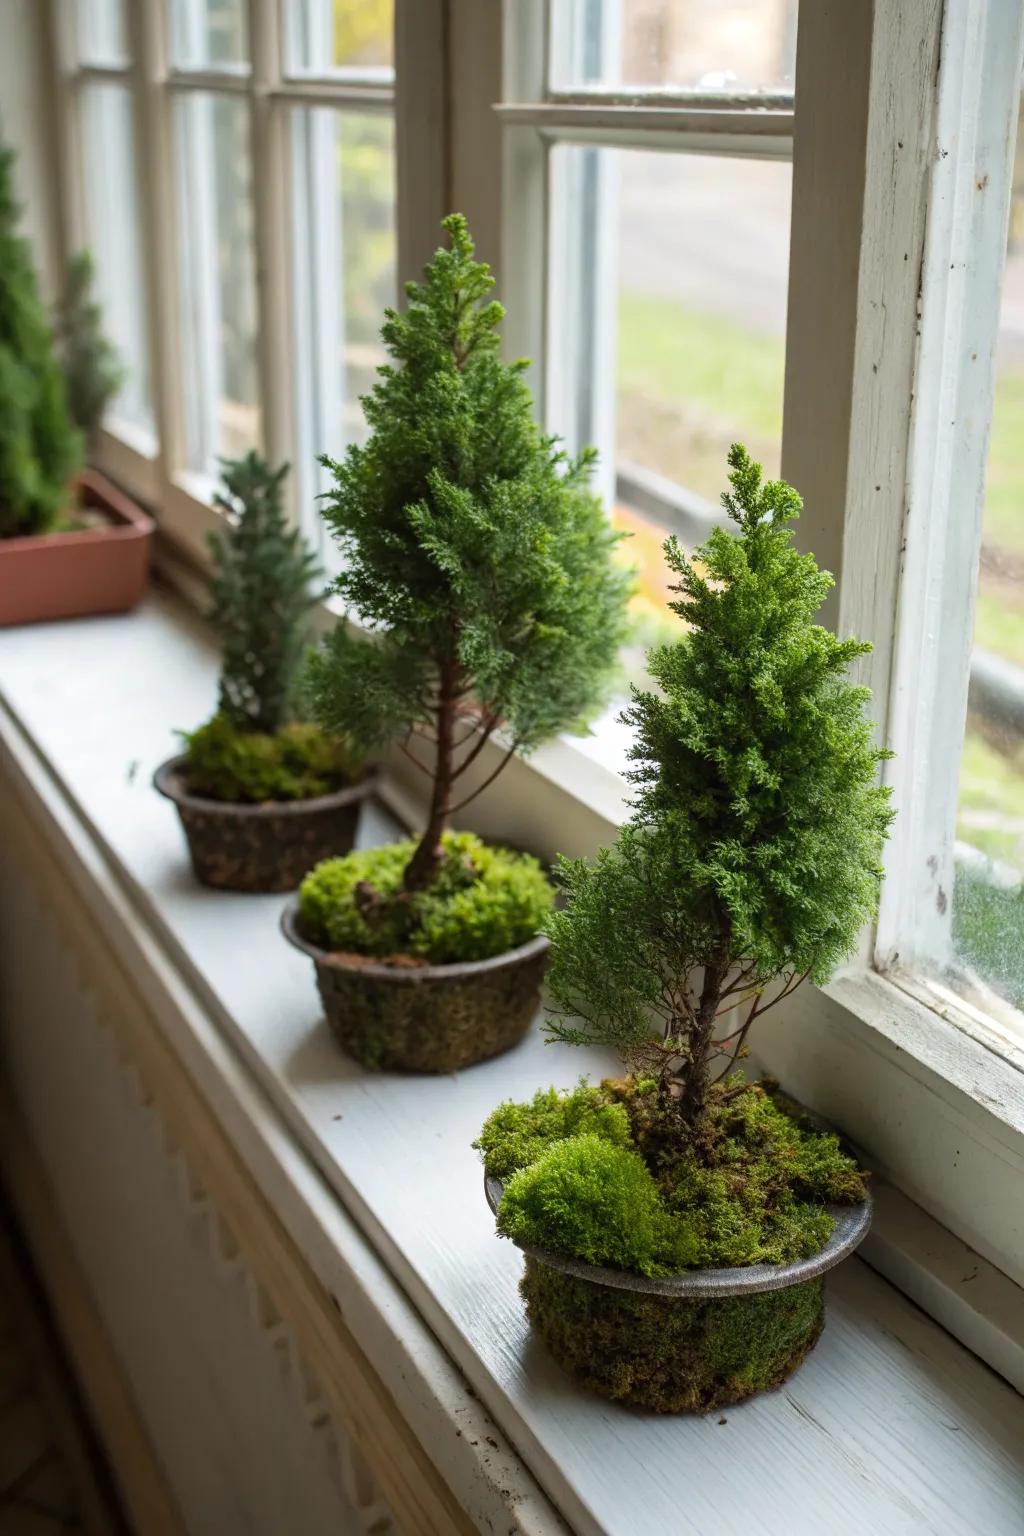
{"points": [[265, 586], [39, 448], [93, 371], [752, 856], [483, 902], [471, 545]]}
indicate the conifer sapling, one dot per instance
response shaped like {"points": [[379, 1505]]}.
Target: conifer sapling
{"points": [[263, 592], [752, 856], [265, 585], [472, 548], [39, 448], [93, 372]]}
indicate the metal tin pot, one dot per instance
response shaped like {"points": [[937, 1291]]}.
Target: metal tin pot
{"points": [[690, 1342]]}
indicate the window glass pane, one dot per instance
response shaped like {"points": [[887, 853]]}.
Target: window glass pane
{"points": [[329, 35], [988, 905], [209, 32], [669, 283], [113, 227], [703, 45], [343, 181], [102, 33], [218, 282]]}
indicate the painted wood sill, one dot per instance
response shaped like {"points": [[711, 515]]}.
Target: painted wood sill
{"points": [[891, 1426]]}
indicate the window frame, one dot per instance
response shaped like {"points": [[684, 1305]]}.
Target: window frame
{"points": [[917, 1079], [156, 472], [914, 1080]]}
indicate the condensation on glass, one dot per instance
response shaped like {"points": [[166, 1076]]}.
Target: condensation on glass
{"points": [[207, 33], [736, 47], [102, 33], [114, 235], [988, 899], [218, 282], [343, 184], [341, 36]]}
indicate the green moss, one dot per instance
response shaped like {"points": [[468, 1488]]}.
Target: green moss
{"points": [[670, 1354], [596, 1201], [516, 1134], [298, 762], [750, 1189], [485, 901]]}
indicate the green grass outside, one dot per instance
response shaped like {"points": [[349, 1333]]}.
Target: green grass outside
{"points": [[999, 622], [691, 383], [1004, 488], [991, 787], [673, 352]]}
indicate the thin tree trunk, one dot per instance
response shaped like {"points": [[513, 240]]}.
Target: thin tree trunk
{"points": [[694, 1076], [422, 868]]}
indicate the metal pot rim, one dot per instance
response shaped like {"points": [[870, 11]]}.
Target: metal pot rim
{"points": [[412, 975], [168, 780], [851, 1227]]}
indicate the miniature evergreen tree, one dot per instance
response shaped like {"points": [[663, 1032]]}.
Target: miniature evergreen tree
{"points": [[93, 372], [752, 856], [264, 588], [265, 584], [39, 448], [471, 545]]}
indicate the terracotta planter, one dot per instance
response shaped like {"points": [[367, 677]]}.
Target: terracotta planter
{"points": [[261, 848], [68, 575], [689, 1343], [425, 1018]]}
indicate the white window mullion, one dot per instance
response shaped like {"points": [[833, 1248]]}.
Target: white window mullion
{"points": [[161, 236], [866, 98], [421, 134], [270, 162], [329, 356], [70, 172], [525, 243], [304, 326], [318, 308], [200, 280], [583, 264], [953, 394]]}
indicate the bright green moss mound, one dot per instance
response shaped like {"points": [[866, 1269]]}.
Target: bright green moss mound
{"points": [[516, 1134], [751, 1190], [297, 762], [485, 901], [597, 1201], [669, 1354]]}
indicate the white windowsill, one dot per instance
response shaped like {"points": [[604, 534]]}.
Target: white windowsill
{"points": [[890, 1426]]}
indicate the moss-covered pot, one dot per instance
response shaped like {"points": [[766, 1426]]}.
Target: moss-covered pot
{"points": [[691, 1342], [425, 1018], [261, 848]]}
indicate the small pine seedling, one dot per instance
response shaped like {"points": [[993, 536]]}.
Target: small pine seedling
{"points": [[93, 372], [39, 448], [472, 547], [752, 855], [264, 586]]}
